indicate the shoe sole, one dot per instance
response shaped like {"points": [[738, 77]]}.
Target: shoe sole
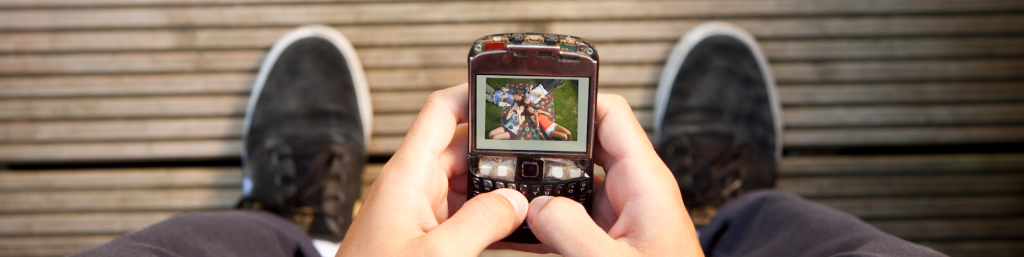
{"points": [[355, 68], [683, 48]]}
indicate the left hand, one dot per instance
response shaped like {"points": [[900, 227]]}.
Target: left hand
{"points": [[409, 209]]}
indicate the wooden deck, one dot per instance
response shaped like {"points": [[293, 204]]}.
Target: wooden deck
{"points": [[115, 114]]}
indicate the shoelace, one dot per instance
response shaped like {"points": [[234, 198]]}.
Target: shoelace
{"points": [[726, 170]]}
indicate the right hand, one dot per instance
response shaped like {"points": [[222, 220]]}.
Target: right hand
{"points": [[637, 211]]}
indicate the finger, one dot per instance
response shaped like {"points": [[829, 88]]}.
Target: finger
{"points": [[431, 133], [619, 134], [564, 225], [628, 156], [483, 220], [454, 157]]}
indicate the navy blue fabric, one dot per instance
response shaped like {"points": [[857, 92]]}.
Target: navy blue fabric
{"points": [[225, 233], [774, 223]]}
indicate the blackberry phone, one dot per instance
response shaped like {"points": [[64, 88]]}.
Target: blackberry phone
{"points": [[531, 117]]}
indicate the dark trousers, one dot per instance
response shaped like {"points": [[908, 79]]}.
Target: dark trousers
{"points": [[225, 233], [762, 223], [773, 223]]}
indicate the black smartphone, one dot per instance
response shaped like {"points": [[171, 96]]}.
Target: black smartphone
{"points": [[531, 117]]}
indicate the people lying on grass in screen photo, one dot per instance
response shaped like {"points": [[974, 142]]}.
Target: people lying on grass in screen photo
{"points": [[544, 119], [503, 97], [512, 121]]}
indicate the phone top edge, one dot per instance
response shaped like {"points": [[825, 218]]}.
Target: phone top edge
{"points": [[565, 44]]}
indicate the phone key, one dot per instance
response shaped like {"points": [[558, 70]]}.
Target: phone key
{"points": [[522, 188], [536, 190], [476, 183], [582, 199], [487, 185], [499, 185], [558, 189], [571, 189], [547, 189], [475, 193], [583, 186], [511, 185]]}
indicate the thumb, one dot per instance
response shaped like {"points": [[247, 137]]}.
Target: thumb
{"points": [[564, 225], [483, 220]]}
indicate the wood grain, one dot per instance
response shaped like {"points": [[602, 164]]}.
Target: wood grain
{"points": [[437, 12]]}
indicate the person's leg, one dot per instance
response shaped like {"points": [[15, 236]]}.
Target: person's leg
{"points": [[773, 223], [227, 233], [495, 132], [559, 135], [718, 127], [563, 130]]}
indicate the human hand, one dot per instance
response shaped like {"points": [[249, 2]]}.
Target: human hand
{"points": [[637, 211], [409, 209]]}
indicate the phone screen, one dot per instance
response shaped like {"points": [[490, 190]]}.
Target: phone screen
{"points": [[532, 113]]}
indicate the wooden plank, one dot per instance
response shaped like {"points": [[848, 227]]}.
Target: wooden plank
{"points": [[77, 223], [413, 12], [135, 178], [119, 200], [433, 56], [900, 164], [902, 136], [105, 130], [928, 207], [895, 115], [953, 229], [122, 3], [171, 106], [149, 150], [133, 62], [129, 85], [986, 248], [123, 107], [121, 151], [904, 185], [767, 28], [120, 178], [905, 93], [903, 70], [32, 246]]}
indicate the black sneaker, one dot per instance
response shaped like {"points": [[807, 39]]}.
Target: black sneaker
{"points": [[306, 129], [717, 119]]}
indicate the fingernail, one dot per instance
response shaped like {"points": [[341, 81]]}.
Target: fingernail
{"points": [[514, 197], [534, 206]]}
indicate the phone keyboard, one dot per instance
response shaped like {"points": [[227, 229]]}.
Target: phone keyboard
{"points": [[578, 190]]}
